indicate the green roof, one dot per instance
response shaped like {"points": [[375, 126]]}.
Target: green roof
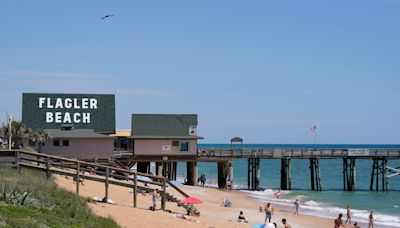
{"points": [[162, 125], [75, 133]]}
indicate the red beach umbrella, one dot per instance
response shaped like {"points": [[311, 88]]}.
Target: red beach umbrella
{"points": [[191, 200]]}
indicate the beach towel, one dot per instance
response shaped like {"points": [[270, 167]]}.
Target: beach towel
{"points": [[259, 226]]}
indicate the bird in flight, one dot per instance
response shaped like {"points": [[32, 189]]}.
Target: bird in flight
{"points": [[109, 15]]}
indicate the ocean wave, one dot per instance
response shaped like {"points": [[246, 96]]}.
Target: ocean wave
{"points": [[314, 208]]}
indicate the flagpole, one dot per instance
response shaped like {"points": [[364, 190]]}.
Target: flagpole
{"points": [[315, 139]]}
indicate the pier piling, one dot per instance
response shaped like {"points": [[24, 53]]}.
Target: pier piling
{"points": [[285, 174], [349, 174], [192, 173], [315, 175], [379, 170], [253, 175]]}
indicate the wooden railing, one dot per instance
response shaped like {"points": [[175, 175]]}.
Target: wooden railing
{"points": [[90, 171]]}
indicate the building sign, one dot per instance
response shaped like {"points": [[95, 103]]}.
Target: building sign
{"points": [[166, 148], [83, 111], [358, 152]]}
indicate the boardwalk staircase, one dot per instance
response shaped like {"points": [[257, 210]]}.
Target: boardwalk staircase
{"points": [[79, 170]]}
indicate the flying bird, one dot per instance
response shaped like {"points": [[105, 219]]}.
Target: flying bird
{"points": [[109, 15]]}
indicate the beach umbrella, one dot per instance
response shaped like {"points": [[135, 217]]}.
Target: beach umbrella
{"points": [[191, 200], [259, 226]]}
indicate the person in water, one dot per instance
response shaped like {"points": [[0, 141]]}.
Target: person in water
{"points": [[371, 220], [296, 207], [348, 219]]}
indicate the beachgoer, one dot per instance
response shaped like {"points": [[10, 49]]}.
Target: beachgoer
{"points": [[339, 222], [241, 217], [154, 199], [296, 207], [348, 219], [268, 212], [287, 225], [261, 208], [275, 225], [203, 180], [371, 220], [277, 193], [356, 225]]}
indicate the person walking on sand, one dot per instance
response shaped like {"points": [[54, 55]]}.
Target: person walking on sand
{"points": [[371, 220], [348, 219], [296, 207], [268, 212], [339, 222], [154, 199], [287, 225]]}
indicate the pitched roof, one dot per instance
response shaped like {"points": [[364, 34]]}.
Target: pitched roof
{"points": [[75, 133], [162, 125]]}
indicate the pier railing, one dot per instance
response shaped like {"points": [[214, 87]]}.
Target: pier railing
{"points": [[297, 153]]}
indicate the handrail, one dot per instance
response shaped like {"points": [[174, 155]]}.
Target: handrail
{"points": [[177, 189]]}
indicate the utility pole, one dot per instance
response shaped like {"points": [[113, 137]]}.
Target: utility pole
{"points": [[9, 119]]}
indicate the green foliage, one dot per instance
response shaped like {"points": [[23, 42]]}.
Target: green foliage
{"points": [[28, 199]]}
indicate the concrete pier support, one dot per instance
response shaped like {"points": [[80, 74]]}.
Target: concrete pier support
{"points": [[192, 173], [169, 170], [225, 175], [379, 170], [349, 174], [315, 175], [285, 174], [253, 175], [159, 168], [143, 167]]}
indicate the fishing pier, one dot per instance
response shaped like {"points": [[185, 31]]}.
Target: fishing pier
{"points": [[380, 171]]}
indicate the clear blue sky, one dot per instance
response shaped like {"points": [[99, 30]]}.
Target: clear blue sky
{"points": [[262, 70]]}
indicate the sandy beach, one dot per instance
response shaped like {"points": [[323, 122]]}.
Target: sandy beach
{"points": [[212, 214]]}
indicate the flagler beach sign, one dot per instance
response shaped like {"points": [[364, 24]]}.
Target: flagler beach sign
{"points": [[87, 111]]}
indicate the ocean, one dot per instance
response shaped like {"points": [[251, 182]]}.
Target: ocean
{"points": [[328, 203]]}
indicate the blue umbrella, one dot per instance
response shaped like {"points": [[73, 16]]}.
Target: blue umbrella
{"points": [[176, 183], [143, 178], [259, 226]]}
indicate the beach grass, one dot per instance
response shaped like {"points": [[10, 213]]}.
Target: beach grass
{"points": [[29, 199]]}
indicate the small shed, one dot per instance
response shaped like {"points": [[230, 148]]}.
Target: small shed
{"points": [[236, 140]]}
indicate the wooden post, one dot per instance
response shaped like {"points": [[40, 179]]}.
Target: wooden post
{"points": [[163, 194], [319, 177], [284, 174], [344, 174], [105, 200], [353, 174], [17, 158], [372, 176], [248, 173], [78, 168], [289, 175], [312, 173], [386, 176], [135, 191], [47, 168], [257, 174], [377, 175]]}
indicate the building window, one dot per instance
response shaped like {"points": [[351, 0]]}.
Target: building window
{"points": [[56, 142], [175, 143], [65, 142], [192, 130], [184, 146]]}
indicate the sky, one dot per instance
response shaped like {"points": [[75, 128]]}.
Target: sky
{"points": [[263, 70]]}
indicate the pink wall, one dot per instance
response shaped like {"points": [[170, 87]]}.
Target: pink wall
{"points": [[82, 148], [154, 147]]}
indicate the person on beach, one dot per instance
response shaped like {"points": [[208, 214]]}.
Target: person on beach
{"points": [[287, 225], [339, 222], [371, 220], [154, 199], [268, 212], [348, 219], [241, 217], [356, 225], [296, 207]]}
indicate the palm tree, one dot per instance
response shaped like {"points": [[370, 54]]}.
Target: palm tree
{"points": [[18, 132], [39, 138]]}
